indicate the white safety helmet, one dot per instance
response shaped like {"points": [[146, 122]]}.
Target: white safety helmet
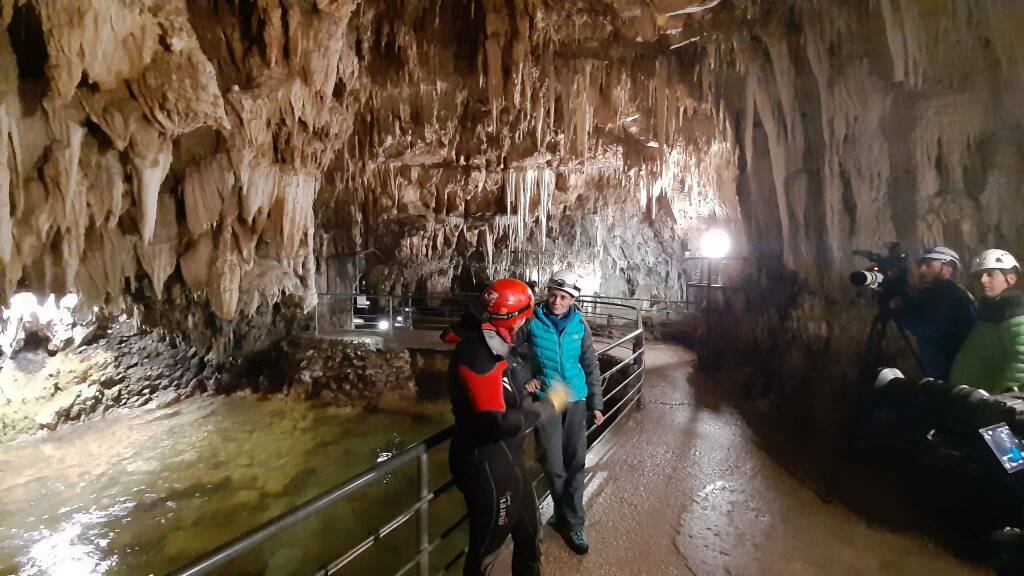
{"points": [[942, 254], [564, 280], [994, 259]]}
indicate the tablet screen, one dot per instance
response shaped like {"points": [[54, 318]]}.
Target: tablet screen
{"points": [[1006, 446]]}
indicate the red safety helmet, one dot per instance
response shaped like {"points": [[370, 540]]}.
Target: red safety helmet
{"points": [[507, 302]]}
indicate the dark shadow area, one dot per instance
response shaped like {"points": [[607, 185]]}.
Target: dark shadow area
{"points": [[876, 471], [26, 33]]}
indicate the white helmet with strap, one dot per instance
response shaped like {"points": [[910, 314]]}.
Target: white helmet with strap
{"points": [[994, 259], [942, 254], [564, 280]]}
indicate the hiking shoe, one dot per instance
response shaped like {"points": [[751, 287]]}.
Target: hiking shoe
{"points": [[577, 542]]}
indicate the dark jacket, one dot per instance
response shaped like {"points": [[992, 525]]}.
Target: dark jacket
{"points": [[940, 317], [992, 358]]}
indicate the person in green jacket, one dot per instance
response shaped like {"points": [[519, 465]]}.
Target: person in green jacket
{"points": [[992, 357]]}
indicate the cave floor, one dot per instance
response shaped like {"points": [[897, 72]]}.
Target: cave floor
{"points": [[681, 487]]}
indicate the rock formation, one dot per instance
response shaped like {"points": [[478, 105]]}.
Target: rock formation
{"points": [[218, 156], [230, 155]]}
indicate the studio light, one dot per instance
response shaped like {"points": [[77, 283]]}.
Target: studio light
{"points": [[715, 243]]}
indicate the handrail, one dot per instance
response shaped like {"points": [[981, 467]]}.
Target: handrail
{"points": [[420, 508], [622, 340]]}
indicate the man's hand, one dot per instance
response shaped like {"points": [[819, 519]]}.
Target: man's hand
{"points": [[598, 417], [532, 385]]}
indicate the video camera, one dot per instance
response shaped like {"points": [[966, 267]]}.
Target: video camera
{"points": [[888, 272]]}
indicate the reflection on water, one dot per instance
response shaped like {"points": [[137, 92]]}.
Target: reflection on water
{"points": [[145, 491]]}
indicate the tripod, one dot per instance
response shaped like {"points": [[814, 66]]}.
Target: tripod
{"points": [[875, 348], [870, 363]]}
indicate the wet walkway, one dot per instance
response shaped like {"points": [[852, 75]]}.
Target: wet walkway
{"points": [[682, 488]]}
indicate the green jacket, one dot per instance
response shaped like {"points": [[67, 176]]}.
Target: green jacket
{"points": [[992, 357]]}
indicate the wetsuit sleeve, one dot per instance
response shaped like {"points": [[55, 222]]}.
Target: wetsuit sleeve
{"points": [[450, 336], [592, 369], [483, 381]]}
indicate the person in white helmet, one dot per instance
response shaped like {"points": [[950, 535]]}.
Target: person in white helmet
{"points": [[562, 347], [940, 314], [992, 358]]}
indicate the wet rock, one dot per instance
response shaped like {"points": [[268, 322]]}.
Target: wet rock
{"points": [[166, 399], [109, 380], [51, 415], [196, 386], [345, 371]]}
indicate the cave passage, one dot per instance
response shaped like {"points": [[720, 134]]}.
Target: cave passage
{"points": [[242, 240]]}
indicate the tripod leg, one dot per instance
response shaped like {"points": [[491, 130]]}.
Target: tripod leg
{"points": [[862, 395], [910, 346]]}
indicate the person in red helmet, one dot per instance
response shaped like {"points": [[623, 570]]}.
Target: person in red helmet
{"points": [[492, 415]]}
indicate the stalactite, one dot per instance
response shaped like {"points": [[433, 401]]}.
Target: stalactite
{"points": [[160, 256], [197, 262], [9, 178], [109, 260], [205, 188], [399, 126], [226, 277], [151, 159], [109, 42]]}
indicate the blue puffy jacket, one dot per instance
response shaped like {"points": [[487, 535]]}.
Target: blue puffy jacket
{"points": [[566, 355]]}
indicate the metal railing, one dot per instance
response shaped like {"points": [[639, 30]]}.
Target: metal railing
{"points": [[621, 394], [339, 313]]}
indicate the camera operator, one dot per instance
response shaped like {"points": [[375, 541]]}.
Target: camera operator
{"points": [[992, 358], [940, 314]]}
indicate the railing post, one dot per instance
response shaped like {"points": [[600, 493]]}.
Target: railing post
{"points": [[391, 314], [423, 516], [638, 349]]}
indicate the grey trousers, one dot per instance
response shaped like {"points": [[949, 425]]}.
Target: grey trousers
{"points": [[562, 452]]}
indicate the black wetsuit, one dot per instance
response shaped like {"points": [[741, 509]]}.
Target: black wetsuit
{"points": [[492, 415]]}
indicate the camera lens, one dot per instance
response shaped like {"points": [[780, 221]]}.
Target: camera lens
{"points": [[868, 278]]}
